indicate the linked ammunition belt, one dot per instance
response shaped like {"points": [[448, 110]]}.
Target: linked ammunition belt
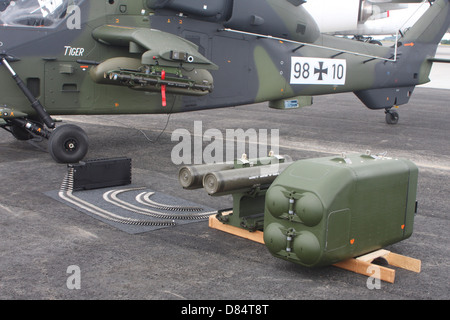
{"points": [[111, 196], [144, 198], [66, 193]]}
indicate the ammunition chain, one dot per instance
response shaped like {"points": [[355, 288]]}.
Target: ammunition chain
{"points": [[111, 197], [144, 198], [66, 193]]}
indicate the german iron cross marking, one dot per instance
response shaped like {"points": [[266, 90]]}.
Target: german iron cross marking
{"points": [[320, 71]]}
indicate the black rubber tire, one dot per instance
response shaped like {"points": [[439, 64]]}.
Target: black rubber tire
{"points": [[392, 117], [68, 144]]}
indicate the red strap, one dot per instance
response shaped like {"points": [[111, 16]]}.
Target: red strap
{"points": [[163, 89]]}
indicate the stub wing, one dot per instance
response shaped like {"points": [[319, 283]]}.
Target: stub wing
{"points": [[168, 63], [8, 114], [157, 47]]}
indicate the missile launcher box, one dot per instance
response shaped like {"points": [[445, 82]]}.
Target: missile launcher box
{"points": [[321, 211]]}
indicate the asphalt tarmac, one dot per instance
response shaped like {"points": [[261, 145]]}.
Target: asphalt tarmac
{"points": [[42, 240]]}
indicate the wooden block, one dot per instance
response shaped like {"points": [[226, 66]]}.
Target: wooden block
{"points": [[361, 264], [366, 268], [403, 262], [393, 259], [373, 255], [256, 236]]}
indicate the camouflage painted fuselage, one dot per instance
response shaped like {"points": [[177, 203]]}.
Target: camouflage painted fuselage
{"points": [[62, 63]]}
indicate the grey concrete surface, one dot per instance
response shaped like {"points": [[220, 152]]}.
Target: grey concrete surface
{"points": [[41, 237]]}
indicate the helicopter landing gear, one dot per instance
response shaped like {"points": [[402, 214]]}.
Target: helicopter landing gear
{"points": [[20, 133], [391, 116], [68, 144]]}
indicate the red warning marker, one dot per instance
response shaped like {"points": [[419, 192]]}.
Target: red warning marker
{"points": [[163, 89]]}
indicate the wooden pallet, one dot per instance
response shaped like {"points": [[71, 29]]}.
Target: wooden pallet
{"points": [[361, 265], [256, 236]]}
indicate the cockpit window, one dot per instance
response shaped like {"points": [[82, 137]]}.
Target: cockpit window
{"points": [[35, 13]]}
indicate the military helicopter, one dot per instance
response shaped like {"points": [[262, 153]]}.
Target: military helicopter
{"points": [[86, 57]]}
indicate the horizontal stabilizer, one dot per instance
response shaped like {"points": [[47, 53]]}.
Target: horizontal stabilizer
{"points": [[440, 60]]}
